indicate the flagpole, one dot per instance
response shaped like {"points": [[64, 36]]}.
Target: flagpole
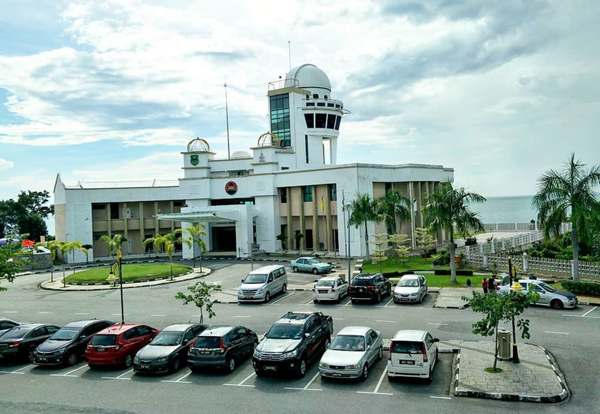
{"points": [[227, 122]]}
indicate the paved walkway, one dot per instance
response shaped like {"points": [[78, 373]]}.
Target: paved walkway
{"points": [[57, 284], [452, 298], [537, 378]]}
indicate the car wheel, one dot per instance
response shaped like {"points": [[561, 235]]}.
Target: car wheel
{"points": [[230, 364], [30, 356], [175, 365], [315, 271], [284, 288], [302, 368], [267, 297], [295, 269], [315, 301], [378, 299], [380, 353], [365, 372], [258, 372], [128, 361], [557, 304], [72, 359], [326, 344]]}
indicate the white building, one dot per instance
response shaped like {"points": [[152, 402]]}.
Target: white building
{"points": [[284, 195]]}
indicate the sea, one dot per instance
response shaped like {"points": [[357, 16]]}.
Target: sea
{"points": [[516, 209]]}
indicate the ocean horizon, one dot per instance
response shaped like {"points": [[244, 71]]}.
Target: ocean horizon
{"points": [[512, 209]]}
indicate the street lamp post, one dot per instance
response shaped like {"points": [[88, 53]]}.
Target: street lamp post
{"points": [[119, 264], [515, 351]]}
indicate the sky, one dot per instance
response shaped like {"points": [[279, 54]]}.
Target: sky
{"points": [[501, 91]]}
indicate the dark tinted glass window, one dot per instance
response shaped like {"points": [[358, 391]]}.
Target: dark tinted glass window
{"points": [[310, 104], [320, 103], [332, 192], [307, 193], [337, 122], [320, 120], [330, 121], [283, 195], [285, 331], [65, 334], [16, 333], [280, 119], [406, 347], [208, 342], [330, 105], [315, 96], [131, 333], [362, 281], [104, 340], [310, 120]]}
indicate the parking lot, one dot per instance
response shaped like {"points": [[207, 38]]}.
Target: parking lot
{"points": [[570, 335]]}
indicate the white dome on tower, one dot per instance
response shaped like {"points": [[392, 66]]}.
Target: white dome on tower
{"points": [[307, 76]]}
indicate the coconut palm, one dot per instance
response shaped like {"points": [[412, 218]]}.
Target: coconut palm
{"points": [[195, 234], [447, 209], [568, 195], [393, 205], [166, 242], [364, 209]]}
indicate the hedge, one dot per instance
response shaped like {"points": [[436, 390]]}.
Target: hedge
{"points": [[444, 272], [582, 287]]}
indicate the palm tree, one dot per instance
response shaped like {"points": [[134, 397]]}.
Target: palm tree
{"points": [[165, 242], [114, 245], [393, 205], [54, 247], [364, 209], [447, 209], [571, 191], [195, 234]]}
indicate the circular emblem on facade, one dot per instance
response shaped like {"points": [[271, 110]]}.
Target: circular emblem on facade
{"points": [[231, 187], [194, 160]]}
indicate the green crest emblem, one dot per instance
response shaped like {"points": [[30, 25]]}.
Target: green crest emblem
{"points": [[194, 159]]}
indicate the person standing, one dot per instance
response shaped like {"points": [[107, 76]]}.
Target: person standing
{"points": [[492, 285], [484, 285]]}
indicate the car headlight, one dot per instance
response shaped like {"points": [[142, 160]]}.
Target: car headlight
{"points": [[291, 354], [351, 366], [413, 295], [136, 359], [322, 365], [162, 359]]}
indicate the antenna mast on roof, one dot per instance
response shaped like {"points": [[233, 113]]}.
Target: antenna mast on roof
{"points": [[227, 121], [290, 54]]}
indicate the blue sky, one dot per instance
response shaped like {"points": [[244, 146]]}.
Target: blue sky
{"points": [[501, 91]]}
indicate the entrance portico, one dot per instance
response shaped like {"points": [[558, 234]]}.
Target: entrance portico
{"points": [[217, 220]]}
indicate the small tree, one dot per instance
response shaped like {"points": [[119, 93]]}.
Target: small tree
{"points": [[400, 246], [425, 240], [200, 295], [381, 246], [498, 308], [85, 249], [54, 247], [194, 239], [167, 244], [9, 265]]}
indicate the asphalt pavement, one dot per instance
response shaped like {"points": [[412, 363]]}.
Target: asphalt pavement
{"points": [[572, 336]]}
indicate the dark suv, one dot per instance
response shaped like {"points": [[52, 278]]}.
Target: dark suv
{"points": [[369, 287], [224, 346], [294, 341]]}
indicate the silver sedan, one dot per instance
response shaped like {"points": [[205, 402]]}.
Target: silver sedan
{"points": [[353, 350]]}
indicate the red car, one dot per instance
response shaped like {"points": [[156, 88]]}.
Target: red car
{"points": [[118, 344]]}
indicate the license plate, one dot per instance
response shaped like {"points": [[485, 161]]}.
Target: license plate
{"points": [[42, 358], [100, 350], [361, 290], [406, 362], [205, 352], [144, 366], [270, 368]]}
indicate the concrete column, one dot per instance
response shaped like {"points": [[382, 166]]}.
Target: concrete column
{"points": [[302, 224], [328, 227], [156, 226], [290, 239], [108, 222], [525, 262], [172, 210], [141, 218], [412, 215], [315, 220], [125, 229]]}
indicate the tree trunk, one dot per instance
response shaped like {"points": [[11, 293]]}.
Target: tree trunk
{"points": [[171, 267], [366, 238], [452, 252], [575, 245], [496, 347], [201, 316]]}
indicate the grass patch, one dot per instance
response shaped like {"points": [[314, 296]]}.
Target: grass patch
{"points": [[393, 265], [444, 281], [492, 370], [131, 272]]}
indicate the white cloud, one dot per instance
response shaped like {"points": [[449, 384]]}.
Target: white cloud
{"points": [[5, 164]]}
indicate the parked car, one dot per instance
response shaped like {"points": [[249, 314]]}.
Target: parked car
{"points": [[67, 345], [410, 288], [19, 342], [223, 347], [330, 288], [548, 295], [351, 353], [118, 344], [292, 343], [168, 350], [261, 284], [6, 324], [311, 265], [413, 354], [370, 287]]}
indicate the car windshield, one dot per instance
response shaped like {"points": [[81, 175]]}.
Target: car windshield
{"points": [[285, 331], [406, 347], [548, 287], [16, 333], [104, 340], [326, 283], [348, 343], [65, 334], [312, 261], [362, 281], [255, 278], [209, 342], [167, 338], [408, 283]]}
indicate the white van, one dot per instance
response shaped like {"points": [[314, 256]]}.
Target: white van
{"points": [[261, 284], [412, 354]]}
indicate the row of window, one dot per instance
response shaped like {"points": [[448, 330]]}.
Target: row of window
{"points": [[308, 193], [329, 105], [280, 119], [329, 121]]}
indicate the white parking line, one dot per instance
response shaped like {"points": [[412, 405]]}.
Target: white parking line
{"points": [[25, 367], [82, 313], [385, 304], [241, 316], [309, 301], [180, 380], [438, 397], [44, 312], [556, 333], [590, 311], [281, 298], [241, 384], [305, 388], [376, 391], [11, 311], [384, 321], [437, 323], [18, 371], [120, 377], [158, 316], [70, 373]]}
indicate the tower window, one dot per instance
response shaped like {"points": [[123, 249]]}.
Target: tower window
{"points": [[310, 120], [310, 104], [338, 119], [315, 96], [320, 103], [337, 105], [307, 96], [280, 118], [306, 147], [330, 105], [331, 121], [283, 195], [320, 120], [307, 193], [332, 192]]}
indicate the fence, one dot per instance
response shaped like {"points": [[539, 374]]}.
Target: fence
{"points": [[534, 265], [511, 227], [494, 246]]}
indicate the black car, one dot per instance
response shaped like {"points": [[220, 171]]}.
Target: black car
{"points": [[67, 345], [224, 346], [20, 342], [370, 287], [294, 341], [6, 324], [168, 350]]}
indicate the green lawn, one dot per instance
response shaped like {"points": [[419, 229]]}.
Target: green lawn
{"points": [[392, 265], [131, 272], [444, 281]]}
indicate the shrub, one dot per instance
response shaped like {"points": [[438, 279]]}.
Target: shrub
{"points": [[441, 259], [444, 272], [581, 287]]}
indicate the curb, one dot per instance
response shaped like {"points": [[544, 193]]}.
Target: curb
{"points": [[103, 287], [511, 397]]}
